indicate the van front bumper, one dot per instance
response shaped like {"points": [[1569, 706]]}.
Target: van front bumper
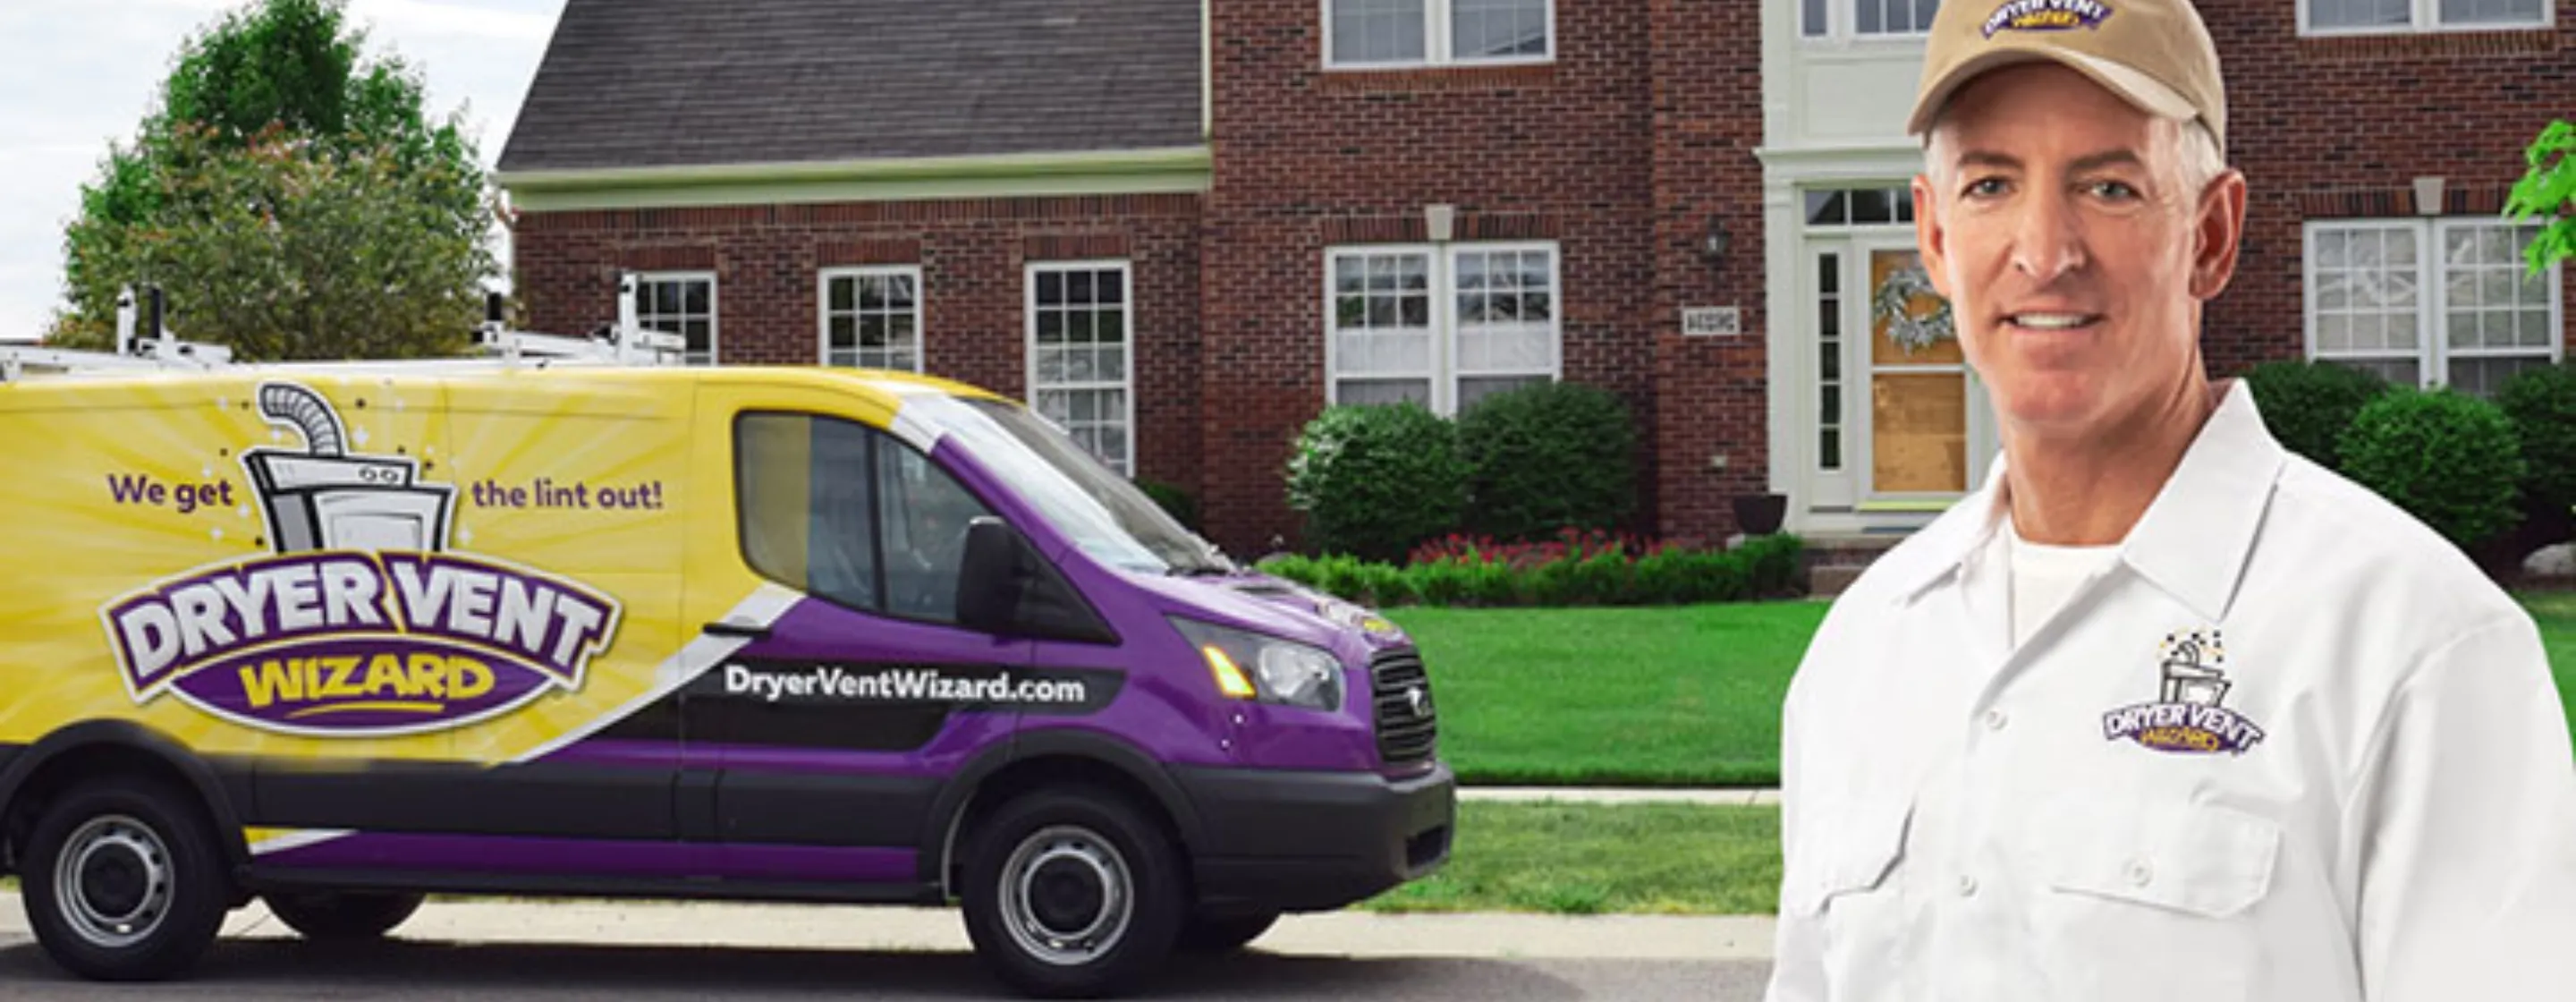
{"points": [[1295, 841]]}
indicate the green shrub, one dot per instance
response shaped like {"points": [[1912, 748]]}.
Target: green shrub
{"points": [[1174, 499], [2309, 405], [1545, 457], [1374, 480], [1441, 582], [1493, 584], [1385, 585], [1771, 563], [1603, 579], [2542, 404], [2449, 459], [1292, 567]]}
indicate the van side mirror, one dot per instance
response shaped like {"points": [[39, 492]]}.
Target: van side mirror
{"points": [[1007, 589]]}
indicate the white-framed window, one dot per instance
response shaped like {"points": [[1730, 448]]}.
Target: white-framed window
{"points": [[1384, 34], [1081, 321], [1442, 327], [872, 317], [1866, 18], [2358, 17], [682, 303], [2427, 302]]}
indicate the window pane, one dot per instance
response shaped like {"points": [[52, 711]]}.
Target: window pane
{"points": [[1050, 288], [2463, 329], [1491, 29], [1870, 205], [2359, 13], [1812, 24], [1470, 391], [1384, 391], [804, 504], [1829, 449], [924, 526], [1924, 10], [1873, 17], [2484, 376], [695, 295], [1110, 286], [841, 292], [1825, 208], [844, 332], [2492, 11], [1378, 31]]}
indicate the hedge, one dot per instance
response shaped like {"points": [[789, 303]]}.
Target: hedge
{"points": [[1560, 575]]}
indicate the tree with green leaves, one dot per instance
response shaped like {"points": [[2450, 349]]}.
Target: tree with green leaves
{"points": [[291, 197], [2548, 190]]}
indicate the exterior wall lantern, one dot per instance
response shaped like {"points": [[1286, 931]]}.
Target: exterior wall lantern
{"points": [[1713, 244]]}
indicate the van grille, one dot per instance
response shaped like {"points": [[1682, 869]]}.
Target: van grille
{"points": [[1405, 734]]}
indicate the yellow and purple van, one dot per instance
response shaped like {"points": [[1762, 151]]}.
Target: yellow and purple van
{"points": [[336, 637]]}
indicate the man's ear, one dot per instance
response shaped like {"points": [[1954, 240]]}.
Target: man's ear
{"points": [[1931, 242], [2218, 233]]}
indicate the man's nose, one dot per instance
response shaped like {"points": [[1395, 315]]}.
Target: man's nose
{"points": [[2047, 242]]}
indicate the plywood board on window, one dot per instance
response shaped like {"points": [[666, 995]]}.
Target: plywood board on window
{"points": [[1919, 433]]}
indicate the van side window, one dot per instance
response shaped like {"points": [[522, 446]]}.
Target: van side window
{"points": [[925, 513], [808, 519]]}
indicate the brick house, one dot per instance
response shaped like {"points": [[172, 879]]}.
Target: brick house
{"points": [[1181, 228]]}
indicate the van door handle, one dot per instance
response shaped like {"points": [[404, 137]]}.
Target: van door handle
{"points": [[729, 628]]}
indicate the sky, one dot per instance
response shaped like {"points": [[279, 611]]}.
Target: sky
{"points": [[78, 74]]}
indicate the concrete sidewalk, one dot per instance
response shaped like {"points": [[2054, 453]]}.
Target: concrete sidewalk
{"points": [[1335, 934], [1622, 795]]}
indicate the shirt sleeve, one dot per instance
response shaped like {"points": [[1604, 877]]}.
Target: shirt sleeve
{"points": [[2465, 821], [1797, 964]]}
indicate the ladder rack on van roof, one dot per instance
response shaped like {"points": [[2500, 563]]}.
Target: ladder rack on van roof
{"points": [[625, 343]]}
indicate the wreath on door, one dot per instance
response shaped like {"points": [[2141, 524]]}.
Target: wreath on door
{"points": [[1912, 327]]}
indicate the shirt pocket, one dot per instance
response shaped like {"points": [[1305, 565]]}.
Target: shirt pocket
{"points": [[1848, 880], [2146, 900]]}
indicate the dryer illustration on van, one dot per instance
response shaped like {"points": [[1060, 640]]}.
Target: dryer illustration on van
{"points": [[330, 638]]}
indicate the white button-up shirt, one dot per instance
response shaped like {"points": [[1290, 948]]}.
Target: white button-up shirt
{"points": [[2293, 746]]}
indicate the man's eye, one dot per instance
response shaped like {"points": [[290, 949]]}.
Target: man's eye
{"points": [[1986, 187], [2119, 190]]}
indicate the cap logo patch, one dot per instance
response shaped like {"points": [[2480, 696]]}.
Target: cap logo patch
{"points": [[2047, 15]]}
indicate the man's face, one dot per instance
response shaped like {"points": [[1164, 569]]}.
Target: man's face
{"points": [[2065, 228]]}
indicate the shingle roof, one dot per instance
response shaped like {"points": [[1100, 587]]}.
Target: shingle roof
{"points": [[655, 83]]}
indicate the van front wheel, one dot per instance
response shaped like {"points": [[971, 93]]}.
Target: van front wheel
{"points": [[124, 880], [342, 917], [1072, 893]]}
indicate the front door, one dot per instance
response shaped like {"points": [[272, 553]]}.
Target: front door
{"points": [[1916, 425]]}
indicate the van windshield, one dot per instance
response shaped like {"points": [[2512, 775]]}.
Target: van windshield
{"points": [[1101, 512]]}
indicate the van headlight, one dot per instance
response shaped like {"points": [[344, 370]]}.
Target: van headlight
{"points": [[1248, 665]]}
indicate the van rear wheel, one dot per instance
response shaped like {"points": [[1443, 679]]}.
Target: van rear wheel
{"points": [[1073, 893], [124, 880], [342, 917]]}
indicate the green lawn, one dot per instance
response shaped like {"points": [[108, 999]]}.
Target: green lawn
{"points": [[1663, 696], [1584, 859], [1686, 695]]}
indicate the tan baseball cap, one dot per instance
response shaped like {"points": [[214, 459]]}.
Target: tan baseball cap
{"points": [[2156, 54]]}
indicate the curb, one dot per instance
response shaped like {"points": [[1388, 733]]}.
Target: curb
{"points": [[1621, 795], [1348, 934]]}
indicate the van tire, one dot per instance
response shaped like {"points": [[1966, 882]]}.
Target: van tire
{"points": [[1062, 861], [1224, 933], [125, 847], [342, 917]]}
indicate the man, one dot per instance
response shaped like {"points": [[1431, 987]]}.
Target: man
{"points": [[2163, 711]]}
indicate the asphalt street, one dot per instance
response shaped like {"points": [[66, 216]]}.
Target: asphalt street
{"points": [[278, 970]]}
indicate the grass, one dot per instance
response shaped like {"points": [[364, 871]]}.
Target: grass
{"points": [[1676, 696], [2556, 614], [1686, 695], [1583, 859]]}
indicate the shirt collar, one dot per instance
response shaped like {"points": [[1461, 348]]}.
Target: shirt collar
{"points": [[2192, 541]]}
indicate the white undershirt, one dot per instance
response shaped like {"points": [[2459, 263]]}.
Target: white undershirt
{"points": [[2039, 578]]}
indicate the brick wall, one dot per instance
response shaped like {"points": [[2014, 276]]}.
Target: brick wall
{"points": [[972, 254], [1712, 395], [2340, 127], [1306, 159]]}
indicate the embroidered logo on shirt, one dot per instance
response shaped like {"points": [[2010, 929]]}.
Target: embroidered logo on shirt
{"points": [[2187, 718]]}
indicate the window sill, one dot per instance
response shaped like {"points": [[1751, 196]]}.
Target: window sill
{"points": [[1420, 79], [2439, 44]]}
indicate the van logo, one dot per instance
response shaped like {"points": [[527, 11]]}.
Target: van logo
{"points": [[361, 625]]}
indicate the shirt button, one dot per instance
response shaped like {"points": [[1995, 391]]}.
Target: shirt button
{"points": [[1967, 886], [1996, 719], [2140, 873]]}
